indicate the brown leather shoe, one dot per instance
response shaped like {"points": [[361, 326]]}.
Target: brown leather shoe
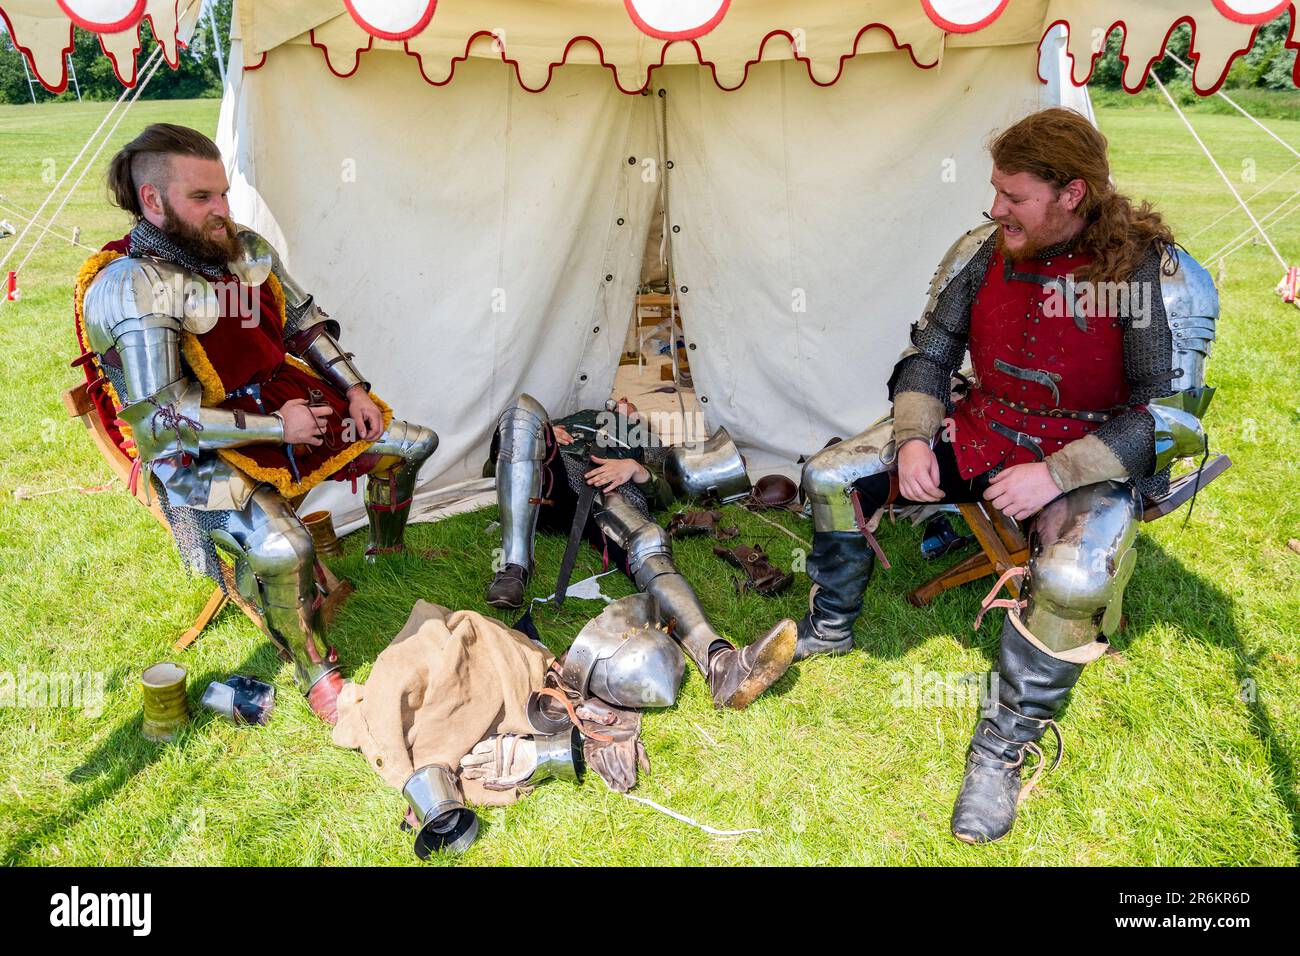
{"points": [[738, 675], [507, 587]]}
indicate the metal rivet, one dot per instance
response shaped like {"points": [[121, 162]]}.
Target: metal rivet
{"points": [[631, 160], [582, 378], [663, 92], [669, 164], [704, 399], [692, 346], [609, 277], [596, 330], [684, 289], [620, 220], [677, 228]]}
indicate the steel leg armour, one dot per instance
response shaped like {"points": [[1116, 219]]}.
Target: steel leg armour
{"points": [[1080, 560], [735, 675], [523, 434], [650, 565], [389, 490], [1081, 557], [275, 571], [841, 560], [828, 476]]}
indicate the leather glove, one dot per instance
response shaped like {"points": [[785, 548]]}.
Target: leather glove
{"points": [[616, 760], [501, 762]]}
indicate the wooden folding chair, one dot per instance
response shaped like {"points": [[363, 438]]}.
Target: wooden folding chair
{"points": [[79, 405], [1003, 544]]}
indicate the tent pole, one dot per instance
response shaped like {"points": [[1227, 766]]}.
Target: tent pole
{"points": [[31, 87], [216, 40], [672, 272], [72, 71]]}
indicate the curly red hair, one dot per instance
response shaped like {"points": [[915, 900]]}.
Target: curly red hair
{"points": [[1059, 145]]}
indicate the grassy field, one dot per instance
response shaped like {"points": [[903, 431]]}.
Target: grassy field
{"points": [[1181, 747]]}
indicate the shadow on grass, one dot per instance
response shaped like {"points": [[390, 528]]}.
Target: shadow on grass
{"points": [[1168, 591], [126, 753], [1162, 590]]}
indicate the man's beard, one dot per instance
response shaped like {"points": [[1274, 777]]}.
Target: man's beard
{"points": [[1033, 246], [198, 242]]}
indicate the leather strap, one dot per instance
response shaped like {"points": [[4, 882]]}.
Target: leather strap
{"points": [[860, 519], [1019, 438], [580, 515]]}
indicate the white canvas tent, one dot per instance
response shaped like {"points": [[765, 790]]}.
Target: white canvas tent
{"points": [[471, 201]]}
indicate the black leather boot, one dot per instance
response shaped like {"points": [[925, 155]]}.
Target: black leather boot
{"points": [[1031, 690], [507, 587], [839, 566], [738, 675]]}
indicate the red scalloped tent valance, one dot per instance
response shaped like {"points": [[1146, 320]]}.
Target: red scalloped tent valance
{"points": [[35, 32]]}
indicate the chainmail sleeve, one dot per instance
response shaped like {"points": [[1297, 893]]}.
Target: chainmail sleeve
{"points": [[939, 339], [1148, 361], [297, 316]]}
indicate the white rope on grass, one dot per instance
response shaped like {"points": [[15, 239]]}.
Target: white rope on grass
{"points": [[90, 163], [71, 166], [26, 215], [1243, 237], [1236, 247], [712, 831], [1233, 250], [1219, 169], [1234, 105], [1263, 189]]}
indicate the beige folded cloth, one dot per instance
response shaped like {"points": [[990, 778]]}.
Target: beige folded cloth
{"points": [[448, 680]]}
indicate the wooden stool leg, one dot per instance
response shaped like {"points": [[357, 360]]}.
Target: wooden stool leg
{"points": [[1002, 546], [991, 542], [216, 601], [969, 569]]}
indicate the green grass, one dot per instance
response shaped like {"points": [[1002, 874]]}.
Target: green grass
{"points": [[1166, 762]]}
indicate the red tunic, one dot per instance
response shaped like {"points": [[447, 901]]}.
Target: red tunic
{"points": [[246, 347], [1021, 322]]}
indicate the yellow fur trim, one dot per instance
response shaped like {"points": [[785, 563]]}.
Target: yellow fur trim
{"points": [[277, 293], [214, 391], [85, 276]]}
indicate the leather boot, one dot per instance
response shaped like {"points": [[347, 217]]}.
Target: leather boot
{"points": [[735, 675], [507, 587], [839, 566], [1032, 687], [739, 674]]}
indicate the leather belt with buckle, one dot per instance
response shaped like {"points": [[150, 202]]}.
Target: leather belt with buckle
{"points": [[1019, 438]]}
